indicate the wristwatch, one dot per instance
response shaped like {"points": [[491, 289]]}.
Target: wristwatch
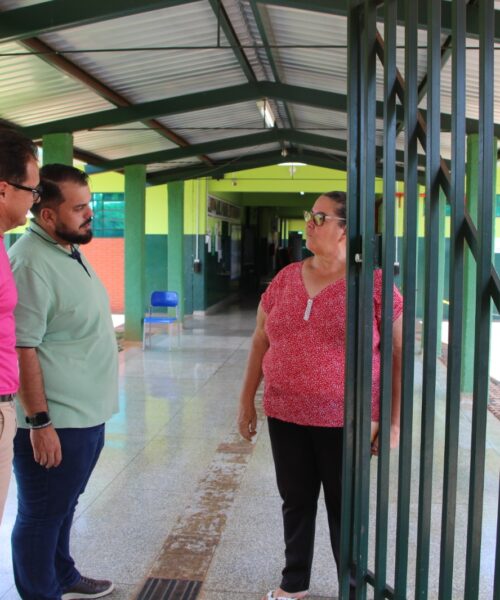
{"points": [[38, 420]]}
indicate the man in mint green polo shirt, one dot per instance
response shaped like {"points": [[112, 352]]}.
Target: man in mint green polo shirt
{"points": [[68, 362]]}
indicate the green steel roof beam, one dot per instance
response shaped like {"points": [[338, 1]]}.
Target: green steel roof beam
{"points": [[45, 17], [215, 98], [191, 102], [266, 136], [269, 54], [147, 110], [247, 162], [225, 24], [294, 136], [329, 161]]}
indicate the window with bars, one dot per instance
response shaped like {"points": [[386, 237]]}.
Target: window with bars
{"points": [[109, 210]]}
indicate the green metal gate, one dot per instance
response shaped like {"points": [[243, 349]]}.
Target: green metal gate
{"points": [[365, 536]]}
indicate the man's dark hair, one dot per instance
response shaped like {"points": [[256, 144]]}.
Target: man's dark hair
{"points": [[58, 173], [340, 200], [15, 152], [50, 178]]}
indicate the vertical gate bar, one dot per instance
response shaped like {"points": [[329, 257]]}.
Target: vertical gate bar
{"points": [[367, 196], [388, 257], [409, 290], [430, 333], [496, 583], [456, 283], [353, 160], [483, 297], [357, 421]]}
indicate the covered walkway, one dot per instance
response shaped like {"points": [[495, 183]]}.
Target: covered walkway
{"points": [[177, 495]]}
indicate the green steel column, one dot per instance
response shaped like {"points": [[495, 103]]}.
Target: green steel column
{"points": [[175, 241], [135, 251], [472, 174], [57, 148]]}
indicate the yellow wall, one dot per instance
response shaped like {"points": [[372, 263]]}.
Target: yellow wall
{"points": [[282, 179]]}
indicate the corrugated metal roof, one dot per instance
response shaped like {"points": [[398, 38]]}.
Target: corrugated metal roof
{"points": [[236, 156], [174, 164], [119, 142], [320, 121], [217, 123], [152, 74], [34, 92], [300, 35], [174, 51], [8, 4]]}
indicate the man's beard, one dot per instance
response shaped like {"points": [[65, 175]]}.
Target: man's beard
{"points": [[73, 237]]}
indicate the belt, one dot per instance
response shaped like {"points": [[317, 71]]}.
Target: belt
{"points": [[6, 397]]}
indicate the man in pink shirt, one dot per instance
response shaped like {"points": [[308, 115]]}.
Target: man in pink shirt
{"points": [[18, 191]]}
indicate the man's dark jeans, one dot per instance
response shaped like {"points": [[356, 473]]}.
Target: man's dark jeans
{"points": [[47, 499]]}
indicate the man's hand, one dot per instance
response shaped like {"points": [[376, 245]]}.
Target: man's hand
{"points": [[247, 422], [46, 447]]}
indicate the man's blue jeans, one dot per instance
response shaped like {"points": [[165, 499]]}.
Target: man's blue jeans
{"points": [[47, 499]]}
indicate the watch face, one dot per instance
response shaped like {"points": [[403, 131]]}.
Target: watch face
{"points": [[40, 418]]}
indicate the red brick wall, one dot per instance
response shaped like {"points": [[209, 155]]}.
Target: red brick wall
{"points": [[107, 257]]}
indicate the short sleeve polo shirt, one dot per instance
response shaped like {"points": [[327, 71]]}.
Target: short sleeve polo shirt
{"points": [[63, 311]]}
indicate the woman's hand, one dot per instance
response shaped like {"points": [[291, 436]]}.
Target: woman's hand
{"points": [[393, 439], [247, 421]]}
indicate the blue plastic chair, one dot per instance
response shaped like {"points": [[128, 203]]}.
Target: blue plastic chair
{"points": [[161, 299]]}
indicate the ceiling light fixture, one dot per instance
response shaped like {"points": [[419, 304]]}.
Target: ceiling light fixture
{"points": [[266, 113]]}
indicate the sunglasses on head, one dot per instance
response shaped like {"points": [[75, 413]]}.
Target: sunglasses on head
{"points": [[319, 218]]}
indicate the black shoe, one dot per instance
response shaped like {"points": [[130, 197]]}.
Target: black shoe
{"points": [[88, 588]]}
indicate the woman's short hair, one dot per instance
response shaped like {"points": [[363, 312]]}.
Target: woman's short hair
{"points": [[340, 199]]}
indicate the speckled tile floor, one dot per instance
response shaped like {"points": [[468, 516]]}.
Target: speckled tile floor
{"points": [[177, 495]]}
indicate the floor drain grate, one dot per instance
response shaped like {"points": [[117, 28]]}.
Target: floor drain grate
{"points": [[169, 589]]}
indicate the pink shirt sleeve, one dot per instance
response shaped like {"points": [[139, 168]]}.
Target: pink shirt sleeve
{"points": [[9, 372]]}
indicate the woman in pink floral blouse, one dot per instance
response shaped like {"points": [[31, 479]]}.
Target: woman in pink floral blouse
{"points": [[298, 347]]}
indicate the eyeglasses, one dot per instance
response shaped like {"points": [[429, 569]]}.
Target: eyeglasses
{"points": [[319, 218], [36, 191]]}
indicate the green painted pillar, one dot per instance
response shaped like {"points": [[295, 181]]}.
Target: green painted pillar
{"points": [[135, 250], [469, 261], [175, 258], [57, 148]]}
